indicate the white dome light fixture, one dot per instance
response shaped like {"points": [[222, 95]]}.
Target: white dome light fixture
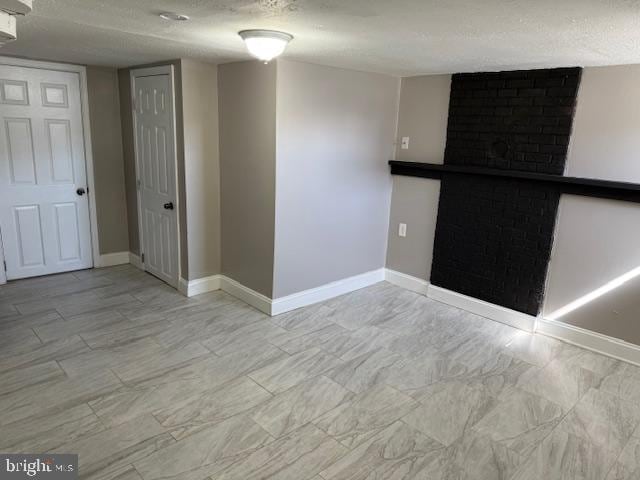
{"points": [[7, 28], [265, 45], [9, 9]]}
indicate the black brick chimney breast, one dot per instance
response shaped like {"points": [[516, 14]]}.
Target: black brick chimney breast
{"points": [[494, 235]]}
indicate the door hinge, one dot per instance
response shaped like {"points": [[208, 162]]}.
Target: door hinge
{"points": [[138, 183], [142, 258], [4, 263]]}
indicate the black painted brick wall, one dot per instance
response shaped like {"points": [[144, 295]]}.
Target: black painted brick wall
{"points": [[493, 239], [494, 236], [517, 120]]}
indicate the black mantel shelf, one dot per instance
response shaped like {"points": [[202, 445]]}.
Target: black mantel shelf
{"points": [[589, 187]]}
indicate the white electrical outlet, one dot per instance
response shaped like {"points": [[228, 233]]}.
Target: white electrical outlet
{"points": [[402, 230], [405, 143]]}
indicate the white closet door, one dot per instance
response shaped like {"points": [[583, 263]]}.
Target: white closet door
{"points": [[44, 207], [156, 160]]}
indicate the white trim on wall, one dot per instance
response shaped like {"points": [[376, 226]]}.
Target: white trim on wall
{"points": [[135, 261], [325, 292], [253, 298], [407, 282], [597, 342], [587, 339], [190, 288], [86, 132], [485, 309], [479, 307], [3, 274], [283, 304], [111, 259]]}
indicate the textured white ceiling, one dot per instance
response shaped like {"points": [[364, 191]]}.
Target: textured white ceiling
{"points": [[402, 37]]}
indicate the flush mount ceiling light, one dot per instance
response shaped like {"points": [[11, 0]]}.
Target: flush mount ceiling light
{"points": [[9, 9], [265, 44], [7, 28], [176, 17]]}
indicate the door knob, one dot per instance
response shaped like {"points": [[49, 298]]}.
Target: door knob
{"points": [[168, 206], [80, 191]]}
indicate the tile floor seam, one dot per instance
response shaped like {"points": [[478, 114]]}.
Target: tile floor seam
{"points": [[79, 335], [245, 375], [98, 417], [122, 382], [66, 375], [442, 446], [37, 336]]}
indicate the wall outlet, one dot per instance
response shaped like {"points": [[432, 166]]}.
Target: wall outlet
{"points": [[402, 230], [405, 143]]}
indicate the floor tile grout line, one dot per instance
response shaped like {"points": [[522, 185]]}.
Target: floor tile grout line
{"points": [[401, 420], [36, 334], [85, 342], [66, 375], [122, 382], [135, 469], [100, 419], [273, 394], [551, 432], [616, 461]]}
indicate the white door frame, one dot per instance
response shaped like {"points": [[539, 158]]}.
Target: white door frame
{"points": [[81, 70], [146, 72]]}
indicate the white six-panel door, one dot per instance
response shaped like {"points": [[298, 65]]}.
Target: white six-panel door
{"points": [[44, 208], [156, 170]]}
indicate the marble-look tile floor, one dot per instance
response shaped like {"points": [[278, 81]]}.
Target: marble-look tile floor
{"points": [[379, 384]]}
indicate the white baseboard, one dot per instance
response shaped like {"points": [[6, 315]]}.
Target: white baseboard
{"points": [[190, 288], [282, 304], [407, 282], [485, 309], [580, 337], [253, 298], [135, 261], [590, 340], [111, 259], [325, 292], [464, 302]]}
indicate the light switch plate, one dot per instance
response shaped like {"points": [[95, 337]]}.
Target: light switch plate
{"points": [[405, 143], [402, 230]]}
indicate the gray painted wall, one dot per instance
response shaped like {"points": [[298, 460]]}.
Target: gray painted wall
{"points": [[335, 135], [415, 203], [596, 240], [128, 152], [106, 141], [201, 168], [606, 142], [599, 240], [247, 116], [423, 113]]}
